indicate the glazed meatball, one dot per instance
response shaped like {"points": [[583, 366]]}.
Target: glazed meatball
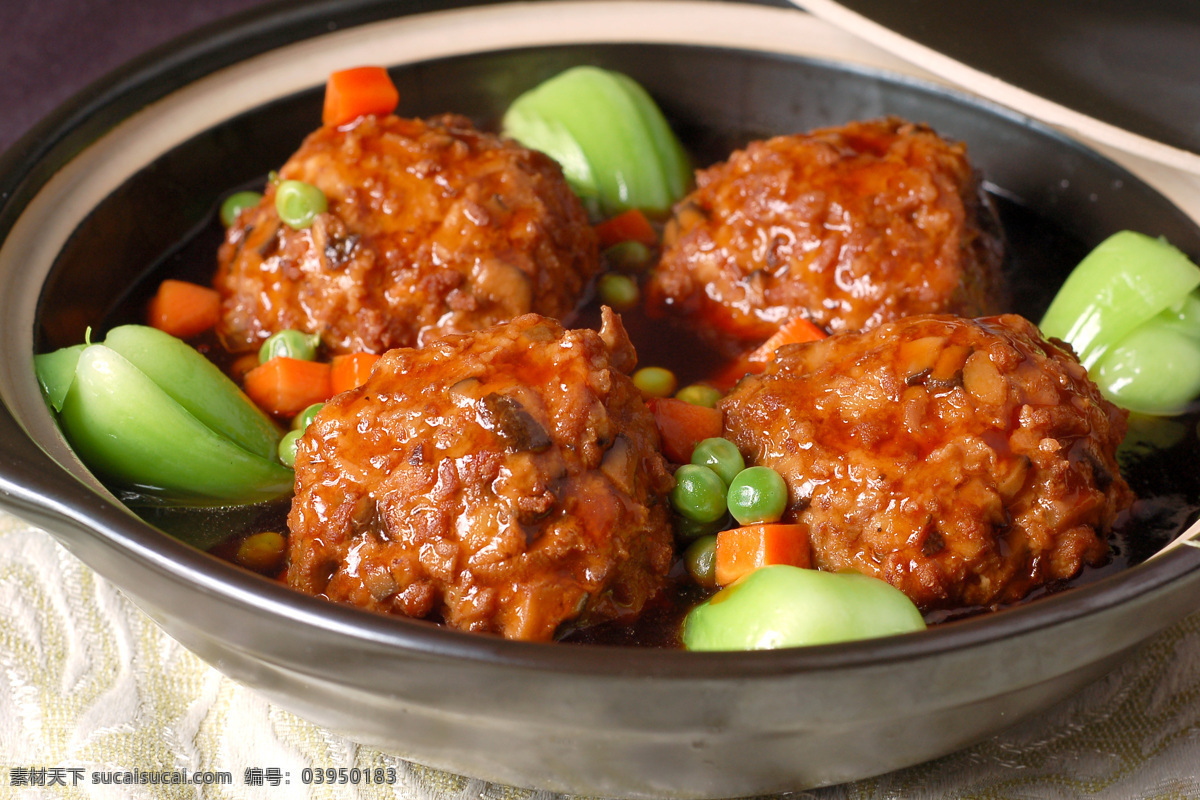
{"points": [[506, 481], [433, 227], [963, 461], [849, 226]]}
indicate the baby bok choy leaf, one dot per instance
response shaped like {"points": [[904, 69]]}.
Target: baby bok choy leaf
{"points": [[784, 606], [1131, 312], [608, 135], [151, 415], [55, 371]]}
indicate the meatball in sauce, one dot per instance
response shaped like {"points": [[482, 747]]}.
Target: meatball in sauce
{"points": [[432, 227], [964, 461], [507, 481], [850, 226]]}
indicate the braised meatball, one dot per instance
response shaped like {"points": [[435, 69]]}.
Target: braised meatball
{"points": [[964, 461], [433, 227], [506, 481], [849, 226]]}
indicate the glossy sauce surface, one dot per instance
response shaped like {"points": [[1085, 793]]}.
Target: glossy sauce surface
{"points": [[857, 224], [964, 461], [432, 227], [1165, 477]]}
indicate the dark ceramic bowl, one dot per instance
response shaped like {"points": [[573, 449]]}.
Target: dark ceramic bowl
{"points": [[108, 188]]}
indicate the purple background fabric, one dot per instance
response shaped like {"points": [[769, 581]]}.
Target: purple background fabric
{"points": [[51, 49]]}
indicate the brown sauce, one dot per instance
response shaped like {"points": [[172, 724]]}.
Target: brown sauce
{"points": [[1166, 480]]}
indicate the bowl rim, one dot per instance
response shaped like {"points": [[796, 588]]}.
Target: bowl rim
{"points": [[68, 131]]}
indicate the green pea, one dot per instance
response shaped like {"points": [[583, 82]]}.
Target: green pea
{"points": [[757, 494], [290, 343], [629, 256], [262, 551], [783, 606], [686, 529], [699, 395], [287, 447], [305, 417], [700, 559], [655, 381], [699, 494], [721, 456], [235, 204], [298, 203], [619, 291]]}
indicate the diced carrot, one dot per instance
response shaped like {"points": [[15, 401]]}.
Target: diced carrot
{"points": [[350, 371], [794, 331], [728, 376], [353, 93], [286, 386], [743, 550], [628, 226], [184, 309], [242, 365], [683, 426]]}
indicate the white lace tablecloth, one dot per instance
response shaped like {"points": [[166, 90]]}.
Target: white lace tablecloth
{"points": [[89, 685]]}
